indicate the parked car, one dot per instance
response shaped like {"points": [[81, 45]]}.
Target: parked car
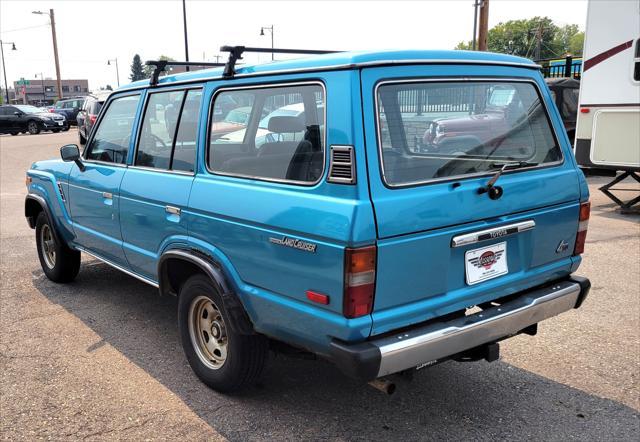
{"points": [[22, 118], [69, 107], [88, 114], [565, 92], [346, 242]]}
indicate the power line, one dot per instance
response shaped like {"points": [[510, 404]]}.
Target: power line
{"points": [[23, 29]]}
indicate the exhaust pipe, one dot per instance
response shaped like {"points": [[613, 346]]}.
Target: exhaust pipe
{"points": [[384, 385]]}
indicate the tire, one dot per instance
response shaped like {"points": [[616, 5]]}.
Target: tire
{"points": [[65, 128], [223, 359], [33, 127], [13, 134], [81, 140], [55, 131], [59, 263]]}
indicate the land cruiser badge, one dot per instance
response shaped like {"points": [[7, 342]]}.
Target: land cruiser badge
{"points": [[294, 243]]}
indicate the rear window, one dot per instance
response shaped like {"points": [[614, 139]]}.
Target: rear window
{"points": [[442, 130]]}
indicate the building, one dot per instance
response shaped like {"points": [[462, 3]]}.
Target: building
{"points": [[45, 92]]}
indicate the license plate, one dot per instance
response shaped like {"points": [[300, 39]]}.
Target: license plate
{"points": [[486, 263], [59, 123]]}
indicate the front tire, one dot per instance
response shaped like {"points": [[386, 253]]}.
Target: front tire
{"points": [[33, 127], [223, 359], [59, 263]]}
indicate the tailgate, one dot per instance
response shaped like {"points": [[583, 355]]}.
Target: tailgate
{"points": [[432, 143]]}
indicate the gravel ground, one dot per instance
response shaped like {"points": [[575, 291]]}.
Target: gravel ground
{"points": [[100, 358]]}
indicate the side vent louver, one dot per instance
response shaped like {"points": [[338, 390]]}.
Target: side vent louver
{"points": [[342, 168]]}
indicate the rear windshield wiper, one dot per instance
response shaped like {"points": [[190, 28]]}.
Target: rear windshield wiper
{"points": [[494, 191]]}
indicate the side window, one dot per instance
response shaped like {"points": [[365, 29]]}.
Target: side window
{"points": [[636, 62], [272, 133], [570, 103], [184, 154], [112, 136], [168, 135], [158, 129]]}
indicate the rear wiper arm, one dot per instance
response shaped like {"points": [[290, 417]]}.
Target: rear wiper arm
{"points": [[494, 191]]}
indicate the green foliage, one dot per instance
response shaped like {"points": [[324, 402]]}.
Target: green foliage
{"points": [[149, 69], [137, 69], [520, 37]]}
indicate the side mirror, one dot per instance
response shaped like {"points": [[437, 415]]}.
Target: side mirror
{"points": [[71, 152]]}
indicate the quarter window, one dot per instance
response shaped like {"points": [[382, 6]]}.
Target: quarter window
{"points": [[113, 135], [169, 129], [274, 133]]}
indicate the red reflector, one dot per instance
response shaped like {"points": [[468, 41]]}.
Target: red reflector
{"points": [[584, 110], [93, 118], [359, 281], [317, 297], [581, 238]]}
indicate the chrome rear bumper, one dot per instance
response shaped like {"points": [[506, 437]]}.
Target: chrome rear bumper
{"points": [[436, 341]]}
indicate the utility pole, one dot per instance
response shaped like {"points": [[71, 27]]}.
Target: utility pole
{"points": [[117, 70], [476, 3], [483, 32], [186, 41], [52, 20], [4, 68], [538, 42], [44, 93]]}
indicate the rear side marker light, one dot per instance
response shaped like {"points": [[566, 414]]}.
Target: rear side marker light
{"points": [[583, 224], [317, 297], [93, 118], [359, 281], [584, 110]]}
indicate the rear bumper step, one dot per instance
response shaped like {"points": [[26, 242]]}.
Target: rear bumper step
{"points": [[428, 344]]}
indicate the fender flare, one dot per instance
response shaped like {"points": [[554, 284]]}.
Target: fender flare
{"points": [[233, 306], [45, 207]]}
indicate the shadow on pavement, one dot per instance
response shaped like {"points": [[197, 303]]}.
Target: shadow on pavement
{"points": [[302, 399]]}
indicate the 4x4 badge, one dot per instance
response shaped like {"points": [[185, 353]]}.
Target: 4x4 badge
{"points": [[562, 247], [294, 243]]}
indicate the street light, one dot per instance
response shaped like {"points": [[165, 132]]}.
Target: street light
{"points": [[44, 94], [270, 29], [4, 67], [52, 22], [117, 71]]}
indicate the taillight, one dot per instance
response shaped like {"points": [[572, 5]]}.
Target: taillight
{"points": [[93, 118], [583, 224], [359, 281]]}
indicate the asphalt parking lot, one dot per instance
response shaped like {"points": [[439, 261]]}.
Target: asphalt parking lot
{"points": [[101, 359]]}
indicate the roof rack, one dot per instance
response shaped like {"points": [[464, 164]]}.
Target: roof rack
{"points": [[160, 66], [235, 54]]}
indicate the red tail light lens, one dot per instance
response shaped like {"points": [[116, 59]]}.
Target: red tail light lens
{"points": [[583, 224], [93, 118], [359, 281]]}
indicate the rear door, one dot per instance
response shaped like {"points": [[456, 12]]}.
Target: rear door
{"points": [[443, 244]]}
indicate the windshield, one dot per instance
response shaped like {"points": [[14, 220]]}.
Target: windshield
{"points": [[440, 130], [29, 109]]}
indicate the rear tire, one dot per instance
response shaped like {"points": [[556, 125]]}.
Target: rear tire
{"points": [[33, 127], [59, 263], [223, 359], [14, 133]]}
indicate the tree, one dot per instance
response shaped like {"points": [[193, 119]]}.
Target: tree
{"points": [[137, 69], [522, 37], [149, 69]]}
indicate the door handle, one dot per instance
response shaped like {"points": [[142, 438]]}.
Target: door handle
{"points": [[172, 210], [107, 195]]}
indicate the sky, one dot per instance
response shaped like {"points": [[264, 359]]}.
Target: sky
{"points": [[92, 32]]}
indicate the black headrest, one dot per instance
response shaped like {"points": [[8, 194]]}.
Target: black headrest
{"points": [[286, 124]]}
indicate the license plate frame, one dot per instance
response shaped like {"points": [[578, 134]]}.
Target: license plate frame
{"points": [[485, 263]]}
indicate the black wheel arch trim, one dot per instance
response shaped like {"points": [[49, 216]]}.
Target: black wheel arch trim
{"points": [[241, 322], [31, 220]]}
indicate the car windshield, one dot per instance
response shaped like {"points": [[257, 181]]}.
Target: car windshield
{"points": [[440, 130], [28, 109]]}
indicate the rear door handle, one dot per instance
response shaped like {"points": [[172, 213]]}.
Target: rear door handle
{"points": [[172, 210]]}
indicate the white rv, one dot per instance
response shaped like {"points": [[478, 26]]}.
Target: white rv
{"points": [[608, 124]]}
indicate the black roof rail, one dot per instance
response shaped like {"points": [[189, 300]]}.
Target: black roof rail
{"points": [[235, 54], [160, 66]]}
